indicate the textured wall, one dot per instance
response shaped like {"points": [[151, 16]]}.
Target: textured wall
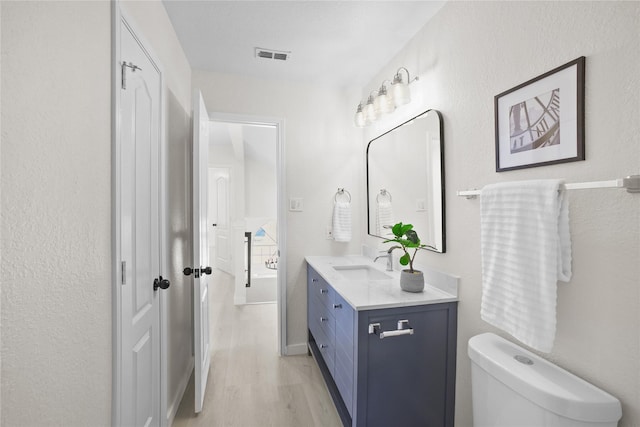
{"points": [[322, 154], [56, 224], [472, 51]]}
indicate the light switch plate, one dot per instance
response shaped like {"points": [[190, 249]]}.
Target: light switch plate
{"points": [[295, 204]]}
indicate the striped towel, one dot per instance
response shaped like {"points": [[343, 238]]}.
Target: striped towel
{"points": [[384, 214], [526, 249], [342, 222]]}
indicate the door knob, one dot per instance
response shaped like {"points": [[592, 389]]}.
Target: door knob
{"points": [[187, 271], [206, 270], [160, 283]]}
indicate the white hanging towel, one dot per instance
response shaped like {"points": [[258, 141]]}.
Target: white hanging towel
{"points": [[384, 214], [342, 222], [526, 249]]}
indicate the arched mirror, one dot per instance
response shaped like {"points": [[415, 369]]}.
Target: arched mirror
{"points": [[405, 179]]}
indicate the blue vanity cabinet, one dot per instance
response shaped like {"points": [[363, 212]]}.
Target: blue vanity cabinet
{"points": [[403, 379], [331, 321]]}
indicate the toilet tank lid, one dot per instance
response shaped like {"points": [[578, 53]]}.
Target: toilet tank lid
{"points": [[542, 382]]}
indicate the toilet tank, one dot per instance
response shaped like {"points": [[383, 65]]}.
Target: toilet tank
{"points": [[513, 387]]}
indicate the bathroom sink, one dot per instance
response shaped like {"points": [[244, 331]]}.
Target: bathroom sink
{"points": [[360, 272]]}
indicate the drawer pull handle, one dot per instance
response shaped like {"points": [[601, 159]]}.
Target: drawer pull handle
{"points": [[403, 329], [323, 319], [324, 291], [337, 305]]}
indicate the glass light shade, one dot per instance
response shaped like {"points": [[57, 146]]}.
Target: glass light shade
{"points": [[382, 104], [400, 92], [358, 120], [370, 114]]}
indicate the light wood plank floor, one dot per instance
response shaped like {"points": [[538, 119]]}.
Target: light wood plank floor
{"points": [[249, 384]]}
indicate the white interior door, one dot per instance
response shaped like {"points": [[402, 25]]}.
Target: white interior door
{"points": [[200, 248], [223, 244], [139, 234]]}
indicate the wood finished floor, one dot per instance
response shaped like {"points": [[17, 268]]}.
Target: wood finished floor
{"points": [[249, 384]]}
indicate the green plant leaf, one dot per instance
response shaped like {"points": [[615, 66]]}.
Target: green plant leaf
{"points": [[397, 230], [412, 236], [404, 259], [405, 228]]}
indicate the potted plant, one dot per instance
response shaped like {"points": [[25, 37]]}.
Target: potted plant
{"points": [[406, 237]]}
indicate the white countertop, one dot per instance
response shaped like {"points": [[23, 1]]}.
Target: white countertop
{"points": [[367, 294]]}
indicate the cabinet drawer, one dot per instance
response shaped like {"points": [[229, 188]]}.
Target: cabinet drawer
{"points": [[320, 288], [326, 349], [325, 319], [313, 317]]}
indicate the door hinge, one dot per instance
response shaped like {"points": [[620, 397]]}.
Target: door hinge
{"points": [[124, 272], [124, 72]]}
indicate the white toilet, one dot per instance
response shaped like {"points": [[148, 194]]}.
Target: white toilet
{"points": [[513, 387]]}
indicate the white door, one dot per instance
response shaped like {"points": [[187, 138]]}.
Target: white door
{"points": [[139, 160], [223, 245], [201, 266], [219, 243]]}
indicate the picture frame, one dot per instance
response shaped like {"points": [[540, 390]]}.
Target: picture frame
{"points": [[541, 122]]}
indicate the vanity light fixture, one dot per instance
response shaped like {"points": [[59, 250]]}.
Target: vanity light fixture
{"points": [[385, 100]]}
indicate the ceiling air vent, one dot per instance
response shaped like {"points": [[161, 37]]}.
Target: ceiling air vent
{"points": [[279, 55]]}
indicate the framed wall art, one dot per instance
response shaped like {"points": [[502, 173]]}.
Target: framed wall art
{"points": [[541, 121]]}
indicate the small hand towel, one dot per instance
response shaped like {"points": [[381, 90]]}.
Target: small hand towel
{"points": [[342, 222], [526, 249], [384, 214]]}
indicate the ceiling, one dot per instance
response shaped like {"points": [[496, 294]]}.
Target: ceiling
{"points": [[334, 43]]}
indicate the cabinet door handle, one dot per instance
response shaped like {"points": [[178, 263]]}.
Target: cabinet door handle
{"points": [[323, 346], [314, 280], [337, 305], [323, 319], [324, 291], [403, 329]]}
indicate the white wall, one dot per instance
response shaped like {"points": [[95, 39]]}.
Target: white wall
{"points": [[56, 222], [154, 24], [260, 186], [322, 154], [56, 198], [472, 51]]}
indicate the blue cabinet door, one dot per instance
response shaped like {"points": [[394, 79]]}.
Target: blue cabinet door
{"points": [[407, 380]]}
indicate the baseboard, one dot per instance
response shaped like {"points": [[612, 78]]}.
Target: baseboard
{"points": [[296, 349], [172, 409]]}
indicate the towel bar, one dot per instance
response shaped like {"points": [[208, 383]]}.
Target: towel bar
{"points": [[631, 183]]}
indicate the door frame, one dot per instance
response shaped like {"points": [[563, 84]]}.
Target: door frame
{"points": [[119, 16], [278, 123]]}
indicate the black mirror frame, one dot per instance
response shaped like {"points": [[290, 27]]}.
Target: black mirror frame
{"points": [[442, 179]]}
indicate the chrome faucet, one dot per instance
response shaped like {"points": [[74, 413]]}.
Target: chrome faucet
{"points": [[388, 256]]}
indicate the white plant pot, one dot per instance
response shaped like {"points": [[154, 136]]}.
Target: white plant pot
{"points": [[411, 282]]}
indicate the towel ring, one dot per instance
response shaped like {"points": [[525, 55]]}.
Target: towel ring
{"points": [[384, 193], [340, 192]]}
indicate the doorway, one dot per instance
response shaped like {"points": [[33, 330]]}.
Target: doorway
{"points": [[247, 184]]}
